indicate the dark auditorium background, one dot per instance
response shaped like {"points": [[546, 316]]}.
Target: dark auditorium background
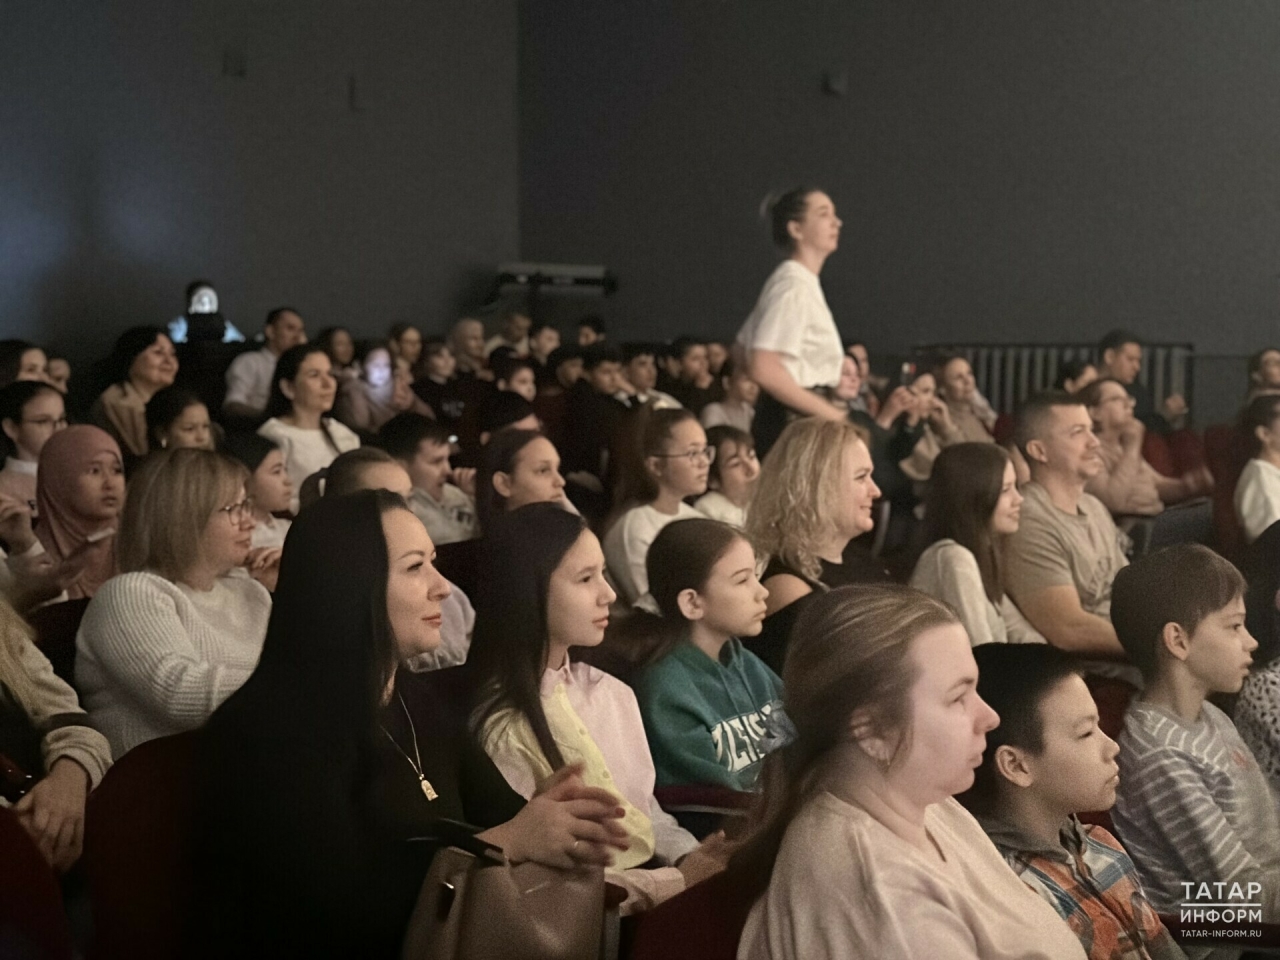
{"points": [[1006, 171]]}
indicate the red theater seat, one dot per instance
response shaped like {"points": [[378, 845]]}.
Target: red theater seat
{"points": [[32, 922]]}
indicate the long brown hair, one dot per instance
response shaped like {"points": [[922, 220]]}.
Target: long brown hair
{"points": [[849, 652], [964, 489], [649, 431]]}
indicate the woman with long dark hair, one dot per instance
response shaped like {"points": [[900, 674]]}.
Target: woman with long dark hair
{"points": [[317, 774], [973, 504]]}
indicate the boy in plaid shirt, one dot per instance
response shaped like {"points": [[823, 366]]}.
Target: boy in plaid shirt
{"points": [[1044, 763]]}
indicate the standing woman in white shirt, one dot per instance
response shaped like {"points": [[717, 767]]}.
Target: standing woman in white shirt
{"points": [[1258, 489], [303, 389], [790, 343]]}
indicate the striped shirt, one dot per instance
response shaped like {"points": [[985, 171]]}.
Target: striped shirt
{"points": [[1193, 807]]}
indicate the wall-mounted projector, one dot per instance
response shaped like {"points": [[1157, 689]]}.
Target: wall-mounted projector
{"points": [[555, 279]]}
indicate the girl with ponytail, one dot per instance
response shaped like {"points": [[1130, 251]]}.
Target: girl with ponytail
{"points": [[858, 844], [706, 701]]}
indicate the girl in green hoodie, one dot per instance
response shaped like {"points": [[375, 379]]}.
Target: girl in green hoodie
{"points": [[705, 699]]}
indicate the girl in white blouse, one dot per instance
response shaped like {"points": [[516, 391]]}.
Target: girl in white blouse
{"points": [[973, 503]]}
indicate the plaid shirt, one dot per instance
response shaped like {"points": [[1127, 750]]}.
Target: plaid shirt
{"points": [[1092, 883]]}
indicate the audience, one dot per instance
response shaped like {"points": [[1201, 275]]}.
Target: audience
{"points": [[538, 710], [544, 339], [422, 447], [302, 394], [590, 330], [79, 495], [47, 740], [814, 496], [341, 350], [30, 413], [1120, 358], [868, 400], [1257, 496], [367, 401], [1264, 373], [592, 422], [514, 326], [515, 375], [404, 341], [58, 373], [894, 433], [858, 845], [466, 340], [959, 390], [1192, 802], [1126, 483], [251, 376], [177, 417], [1075, 375], [1059, 564], [731, 477], [738, 408], [674, 460], [20, 360], [143, 363], [972, 507], [790, 343], [640, 378], [518, 467], [181, 627], [267, 485], [695, 386], [706, 701], [939, 432], [1046, 762], [313, 859]]}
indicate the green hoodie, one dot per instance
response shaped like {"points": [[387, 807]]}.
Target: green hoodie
{"points": [[706, 720]]}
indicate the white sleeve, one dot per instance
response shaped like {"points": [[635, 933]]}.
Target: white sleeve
{"points": [[950, 573], [239, 380], [783, 326]]}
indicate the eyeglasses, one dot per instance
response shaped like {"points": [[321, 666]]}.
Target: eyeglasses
{"points": [[54, 422], [237, 512], [693, 456]]}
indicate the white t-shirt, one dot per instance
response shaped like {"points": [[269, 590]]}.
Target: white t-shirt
{"points": [[792, 318], [249, 379], [270, 533], [306, 451], [626, 546], [845, 888], [717, 506], [949, 572], [1257, 498]]}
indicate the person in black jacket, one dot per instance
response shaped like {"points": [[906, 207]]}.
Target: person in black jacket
{"points": [[316, 775]]}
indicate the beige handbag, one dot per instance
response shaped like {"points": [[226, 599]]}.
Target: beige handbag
{"points": [[476, 905]]}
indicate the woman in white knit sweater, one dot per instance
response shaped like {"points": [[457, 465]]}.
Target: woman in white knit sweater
{"points": [[181, 628], [973, 503]]}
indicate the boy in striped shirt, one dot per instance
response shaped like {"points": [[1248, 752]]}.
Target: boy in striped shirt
{"points": [[1193, 807], [1044, 763]]}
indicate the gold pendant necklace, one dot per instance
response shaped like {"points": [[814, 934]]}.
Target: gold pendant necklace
{"points": [[428, 791]]}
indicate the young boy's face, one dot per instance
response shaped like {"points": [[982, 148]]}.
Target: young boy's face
{"points": [[606, 377], [429, 468], [1076, 771], [1221, 649]]}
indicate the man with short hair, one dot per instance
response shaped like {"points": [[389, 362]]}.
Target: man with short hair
{"points": [[592, 419], [1059, 566], [249, 376], [590, 330], [514, 333], [640, 374], [1120, 358]]}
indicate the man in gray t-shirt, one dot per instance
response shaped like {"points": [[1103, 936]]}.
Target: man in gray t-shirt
{"points": [[1059, 566]]}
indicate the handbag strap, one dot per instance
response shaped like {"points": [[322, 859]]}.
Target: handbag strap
{"points": [[454, 833]]}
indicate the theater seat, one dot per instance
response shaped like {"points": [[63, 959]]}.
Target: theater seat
{"points": [[703, 923], [137, 851], [56, 626], [1226, 454], [1155, 450], [32, 922]]}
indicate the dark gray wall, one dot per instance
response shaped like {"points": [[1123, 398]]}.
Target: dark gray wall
{"points": [[129, 164], [1006, 171]]}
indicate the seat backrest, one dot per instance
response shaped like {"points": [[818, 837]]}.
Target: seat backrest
{"points": [[703, 923], [56, 627], [1226, 453], [32, 921], [137, 850]]}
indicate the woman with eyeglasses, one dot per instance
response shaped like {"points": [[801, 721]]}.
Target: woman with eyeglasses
{"points": [[674, 461], [181, 627], [30, 413]]}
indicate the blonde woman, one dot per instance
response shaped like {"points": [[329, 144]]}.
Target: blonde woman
{"points": [[181, 627], [47, 736], [815, 494]]}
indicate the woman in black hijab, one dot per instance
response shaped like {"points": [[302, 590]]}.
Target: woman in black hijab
{"points": [[315, 776]]}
